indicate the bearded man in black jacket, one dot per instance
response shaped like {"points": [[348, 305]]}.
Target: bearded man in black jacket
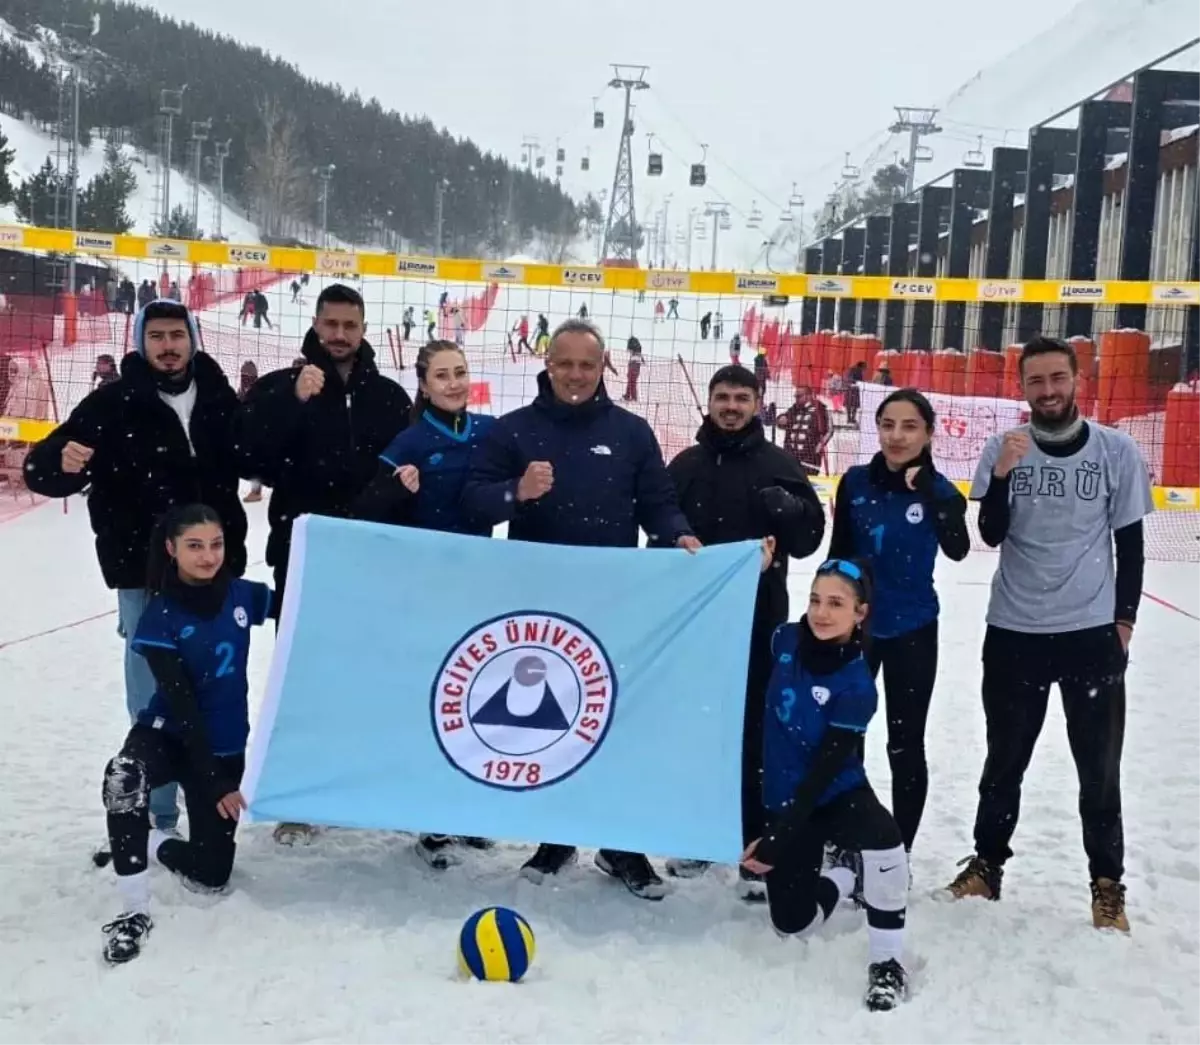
{"points": [[159, 436], [734, 485]]}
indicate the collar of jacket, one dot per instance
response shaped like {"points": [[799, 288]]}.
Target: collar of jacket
{"points": [[547, 402], [824, 658], [743, 441], [364, 359], [883, 477], [204, 600], [140, 378]]}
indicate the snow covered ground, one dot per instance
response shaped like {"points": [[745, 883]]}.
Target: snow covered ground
{"points": [[354, 938]]}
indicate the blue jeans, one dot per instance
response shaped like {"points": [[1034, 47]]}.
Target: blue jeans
{"points": [[139, 689]]}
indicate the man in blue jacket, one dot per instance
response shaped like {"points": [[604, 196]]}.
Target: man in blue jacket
{"points": [[574, 468]]}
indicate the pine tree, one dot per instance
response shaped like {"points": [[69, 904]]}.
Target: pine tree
{"points": [[178, 226], [102, 203], [35, 197], [7, 155]]}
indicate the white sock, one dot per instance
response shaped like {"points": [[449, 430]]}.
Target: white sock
{"points": [[135, 892], [157, 838], [885, 891]]}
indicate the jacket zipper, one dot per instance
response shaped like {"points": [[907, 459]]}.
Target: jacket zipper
{"points": [[350, 418]]}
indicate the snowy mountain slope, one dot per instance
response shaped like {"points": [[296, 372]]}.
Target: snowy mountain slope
{"points": [[1097, 43], [32, 147]]}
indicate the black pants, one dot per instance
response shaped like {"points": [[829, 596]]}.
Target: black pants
{"points": [[280, 573], [797, 895], [909, 665], [758, 677], [148, 759], [1018, 670]]}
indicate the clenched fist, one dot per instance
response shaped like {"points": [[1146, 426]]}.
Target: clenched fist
{"points": [[309, 383], [537, 481], [1012, 449], [75, 457], [409, 477]]}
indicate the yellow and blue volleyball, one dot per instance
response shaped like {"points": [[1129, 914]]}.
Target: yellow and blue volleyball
{"points": [[495, 944]]}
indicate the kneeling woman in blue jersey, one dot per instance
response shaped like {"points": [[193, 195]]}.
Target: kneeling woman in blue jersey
{"points": [[895, 513], [420, 483], [815, 791], [195, 635]]}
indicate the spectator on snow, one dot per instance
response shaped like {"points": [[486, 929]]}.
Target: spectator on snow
{"points": [[853, 395], [705, 323], [734, 485], [158, 437], [247, 378], [762, 372], [633, 369], [105, 372], [260, 306], [807, 430], [534, 471], [313, 433], [247, 307]]}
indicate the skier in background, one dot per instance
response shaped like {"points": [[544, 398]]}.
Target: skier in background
{"points": [[175, 294], [460, 327], [673, 308], [523, 335], [247, 307], [260, 307], [430, 324], [762, 372], [295, 291], [717, 326], [633, 369], [583, 311], [445, 296], [658, 311], [705, 323], [735, 349], [408, 322], [543, 328]]}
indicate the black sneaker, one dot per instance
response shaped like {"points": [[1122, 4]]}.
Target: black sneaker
{"points": [[436, 851], [634, 871], [751, 887], [888, 985], [549, 859], [678, 867], [123, 937], [835, 856]]}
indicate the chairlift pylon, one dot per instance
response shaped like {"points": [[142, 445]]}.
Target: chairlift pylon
{"points": [[849, 170], [699, 172], [975, 157]]}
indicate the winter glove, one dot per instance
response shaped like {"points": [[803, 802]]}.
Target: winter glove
{"points": [[777, 501]]}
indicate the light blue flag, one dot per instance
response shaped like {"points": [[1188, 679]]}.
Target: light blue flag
{"points": [[457, 685]]}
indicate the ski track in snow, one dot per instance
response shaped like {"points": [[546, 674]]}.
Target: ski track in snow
{"points": [[353, 938]]}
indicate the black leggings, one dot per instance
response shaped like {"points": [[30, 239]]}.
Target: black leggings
{"points": [[800, 897], [909, 670], [148, 759]]}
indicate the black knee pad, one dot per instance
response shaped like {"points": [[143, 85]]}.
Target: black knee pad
{"points": [[124, 789]]}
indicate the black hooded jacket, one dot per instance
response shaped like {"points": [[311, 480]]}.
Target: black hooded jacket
{"points": [[736, 486], [317, 456], [142, 464]]}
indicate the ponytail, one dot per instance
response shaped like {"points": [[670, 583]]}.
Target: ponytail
{"points": [[159, 564]]}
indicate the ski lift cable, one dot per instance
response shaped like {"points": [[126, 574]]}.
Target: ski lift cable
{"points": [[720, 196]]}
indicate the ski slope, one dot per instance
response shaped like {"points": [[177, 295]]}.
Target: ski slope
{"points": [[353, 939]]}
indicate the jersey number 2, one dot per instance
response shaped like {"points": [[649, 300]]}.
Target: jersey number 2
{"points": [[877, 533], [224, 653]]}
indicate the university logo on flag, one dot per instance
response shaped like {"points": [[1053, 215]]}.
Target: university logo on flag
{"points": [[460, 685]]}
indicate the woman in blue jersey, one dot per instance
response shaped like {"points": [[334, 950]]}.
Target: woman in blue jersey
{"points": [[195, 635], [422, 470], [815, 791], [420, 483], [895, 513]]}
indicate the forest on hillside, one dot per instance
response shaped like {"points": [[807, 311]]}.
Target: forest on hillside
{"points": [[281, 125]]}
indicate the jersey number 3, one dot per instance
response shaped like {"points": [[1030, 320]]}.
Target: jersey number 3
{"points": [[225, 652]]}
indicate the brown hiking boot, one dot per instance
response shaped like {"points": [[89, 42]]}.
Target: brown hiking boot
{"points": [[979, 878], [1108, 905]]}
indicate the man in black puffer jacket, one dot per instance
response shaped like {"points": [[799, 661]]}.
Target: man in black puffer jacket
{"points": [[159, 436], [314, 433], [733, 485]]}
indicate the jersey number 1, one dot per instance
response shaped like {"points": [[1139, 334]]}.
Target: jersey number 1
{"points": [[877, 533], [224, 653]]}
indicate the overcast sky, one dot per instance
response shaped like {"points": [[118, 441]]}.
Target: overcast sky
{"points": [[740, 82]]}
